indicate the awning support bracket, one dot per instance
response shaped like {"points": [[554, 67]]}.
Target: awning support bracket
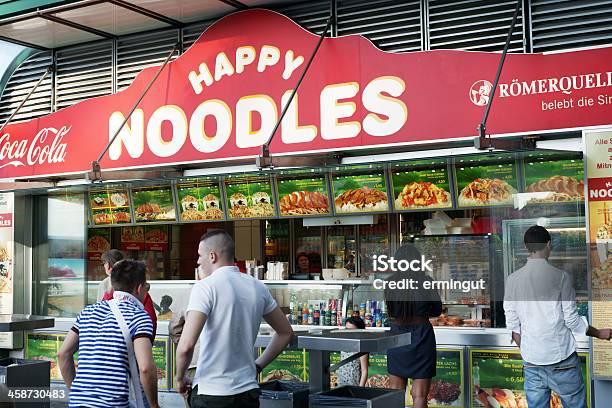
{"points": [[23, 102], [96, 170], [487, 143], [264, 159]]}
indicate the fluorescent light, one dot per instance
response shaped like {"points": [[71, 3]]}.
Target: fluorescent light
{"points": [[347, 220], [68, 183], [245, 168], [421, 154]]}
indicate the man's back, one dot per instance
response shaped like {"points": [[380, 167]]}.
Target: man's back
{"points": [[102, 374], [234, 304], [540, 305]]}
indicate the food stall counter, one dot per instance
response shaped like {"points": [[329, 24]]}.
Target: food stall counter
{"points": [[319, 345]]}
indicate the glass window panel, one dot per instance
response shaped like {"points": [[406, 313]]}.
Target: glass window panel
{"points": [[342, 248], [308, 249], [277, 245], [59, 255], [373, 240]]}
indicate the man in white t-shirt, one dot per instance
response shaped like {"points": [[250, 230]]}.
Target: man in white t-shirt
{"points": [[225, 311]]}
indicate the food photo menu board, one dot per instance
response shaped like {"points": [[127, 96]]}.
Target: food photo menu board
{"points": [[303, 194], [109, 205], [153, 204], [290, 365], [422, 184], [249, 196], [200, 199], [599, 206], [98, 242], [132, 238], [447, 386], [359, 189], [160, 357], [44, 347], [488, 181], [496, 379], [560, 180]]}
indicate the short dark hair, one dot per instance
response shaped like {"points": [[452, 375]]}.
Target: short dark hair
{"points": [[357, 321], [536, 238], [112, 256], [128, 274], [227, 247]]}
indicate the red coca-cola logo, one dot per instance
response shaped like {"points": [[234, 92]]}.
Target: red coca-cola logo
{"points": [[46, 147]]}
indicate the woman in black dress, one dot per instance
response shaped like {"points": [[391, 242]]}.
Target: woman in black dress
{"points": [[410, 310]]}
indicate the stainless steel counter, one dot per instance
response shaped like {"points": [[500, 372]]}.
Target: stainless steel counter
{"points": [[22, 322], [445, 336], [362, 341]]}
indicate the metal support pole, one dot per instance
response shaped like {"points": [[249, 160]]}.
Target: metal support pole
{"points": [[42, 78], [96, 164], [265, 152], [483, 124], [318, 369]]}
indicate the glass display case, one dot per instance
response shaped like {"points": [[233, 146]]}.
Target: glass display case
{"points": [[277, 241], [569, 253], [341, 247], [373, 240]]}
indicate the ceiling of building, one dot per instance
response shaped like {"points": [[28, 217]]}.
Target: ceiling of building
{"points": [[53, 24]]}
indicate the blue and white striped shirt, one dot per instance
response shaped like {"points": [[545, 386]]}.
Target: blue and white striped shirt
{"points": [[103, 368]]}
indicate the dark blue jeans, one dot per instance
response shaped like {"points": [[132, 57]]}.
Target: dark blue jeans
{"points": [[564, 378]]}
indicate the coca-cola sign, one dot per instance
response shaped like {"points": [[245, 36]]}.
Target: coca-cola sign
{"points": [[45, 147], [220, 100]]}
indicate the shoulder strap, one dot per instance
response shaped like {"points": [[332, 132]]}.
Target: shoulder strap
{"points": [[135, 376]]}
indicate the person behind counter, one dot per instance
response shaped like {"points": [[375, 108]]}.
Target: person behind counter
{"points": [[225, 311], [540, 309], [304, 266], [109, 258], [355, 372], [410, 311], [103, 375]]}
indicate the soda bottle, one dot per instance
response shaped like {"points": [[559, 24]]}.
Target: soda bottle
{"points": [[310, 315], [305, 314]]}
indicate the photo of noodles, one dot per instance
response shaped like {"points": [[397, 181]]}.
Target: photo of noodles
{"points": [[486, 191], [4, 255], [422, 194], [262, 210]]}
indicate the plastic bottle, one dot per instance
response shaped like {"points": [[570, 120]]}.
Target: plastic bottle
{"points": [[310, 315], [322, 319], [476, 375], [336, 318], [316, 318], [305, 314]]}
